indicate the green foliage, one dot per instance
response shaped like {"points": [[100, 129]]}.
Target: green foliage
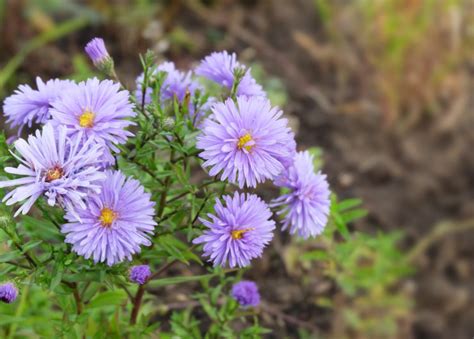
{"points": [[366, 270], [65, 295]]}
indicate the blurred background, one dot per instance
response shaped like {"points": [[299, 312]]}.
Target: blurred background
{"points": [[383, 88]]}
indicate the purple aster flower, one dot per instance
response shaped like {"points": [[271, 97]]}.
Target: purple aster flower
{"points": [[140, 274], [248, 141], [306, 206], [176, 84], [96, 110], [114, 223], [97, 51], [238, 232], [27, 105], [246, 293], [8, 292], [220, 66], [64, 169]]}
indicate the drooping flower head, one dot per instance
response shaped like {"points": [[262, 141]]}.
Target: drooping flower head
{"points": [[238, 232], [64, 169], [306, 206], [114, 223], [27, 105], [8, 293], [220, 67], [247, 141], [246, 293], [96, 110], [97, 51], [139, 274]]}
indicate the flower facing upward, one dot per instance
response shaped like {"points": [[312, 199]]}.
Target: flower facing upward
{"points": [[246, 293], [220, 66], [238, 232], [8, 292], [96, 110], [247, 141], [114, 223], [64, 169], [97, 51], [306, 206], [140, 274], [27, 106]]}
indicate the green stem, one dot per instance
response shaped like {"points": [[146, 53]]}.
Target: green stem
{"points": [[439, 231], [20, 309], [55, 33]]}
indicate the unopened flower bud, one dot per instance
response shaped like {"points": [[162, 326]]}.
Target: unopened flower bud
{"points": [[140, 274], [8, 293], [168, 123], [101, 59]]}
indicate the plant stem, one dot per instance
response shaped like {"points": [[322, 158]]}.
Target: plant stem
{"points": [[439, 231], [50, 35], [19, 311], [136, 304], [77, 296]]}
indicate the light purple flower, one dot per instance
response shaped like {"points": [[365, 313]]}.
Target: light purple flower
{"points": [[238, 232], [139, 274], [246, 293], [27, 105], [220, 66], [175, 84], [8, 293], [64, 169], [97, 51], [96, 110], [248, 142], [114, 224], [306, 206]]}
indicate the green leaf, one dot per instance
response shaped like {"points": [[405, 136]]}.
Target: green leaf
{"points": [[315, 255], [348, 204], [109, 298], [31, 244], [10, 255], [180, 280]]}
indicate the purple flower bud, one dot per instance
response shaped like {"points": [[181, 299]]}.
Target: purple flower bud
{"points": [[140, 274], [246, 293], [8, 292], [97, 51]]}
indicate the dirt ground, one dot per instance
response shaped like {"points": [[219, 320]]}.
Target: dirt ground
{"points": [[409, 179]]}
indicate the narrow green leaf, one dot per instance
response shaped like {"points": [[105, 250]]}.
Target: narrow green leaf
{"points": [[180, 280], [109, 298]]}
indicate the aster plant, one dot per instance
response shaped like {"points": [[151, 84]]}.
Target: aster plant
{"points": [[114, 190]]}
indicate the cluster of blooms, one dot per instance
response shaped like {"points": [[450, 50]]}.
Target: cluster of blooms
{"points": [[243, 139], [246, 141], [109, 216]]}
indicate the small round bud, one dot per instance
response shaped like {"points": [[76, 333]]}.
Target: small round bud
{"points": [[246, 293], [8, 293], [140, 274], [168, 123]]}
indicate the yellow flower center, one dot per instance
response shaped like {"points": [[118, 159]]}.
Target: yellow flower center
{"points": [[54, 173], [244, 140], [86, 119], [238, 234], [107, 217]]}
